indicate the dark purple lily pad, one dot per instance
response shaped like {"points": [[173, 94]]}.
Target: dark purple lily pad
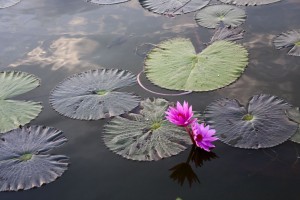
{"points": [[294, 115], [23, 162], [289, 39], [91, 95], [106, 2], [173, 7], [261, 124]]}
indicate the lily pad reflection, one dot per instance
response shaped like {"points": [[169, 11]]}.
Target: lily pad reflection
{"points": [[91, 95], [24, 163], [146, 136], [261, 124]]}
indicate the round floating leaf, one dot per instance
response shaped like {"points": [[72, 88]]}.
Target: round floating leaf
{"points": [[213, 16], [173, 7], [294, 114], [106, 2], [173, 64], [90, 95], [22, 162], [14, 113], [289, 39], [249, 2], [8, 3], [146, 136], [228, 34], [262, 124]]}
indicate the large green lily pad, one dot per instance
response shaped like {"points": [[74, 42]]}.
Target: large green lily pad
{"points": [[174, 65], [261, 124], [146, 136], [106, 2], [173, 7], [91, 95], [249, 2], [14, 113], [289, 39], [8, 3], [24, 163], [213, 16]]}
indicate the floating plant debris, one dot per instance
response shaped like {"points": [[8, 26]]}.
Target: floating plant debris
{"points": [[173, 7], [24, 163], [14, 113], [8, 3], [249, 2], [294, 114], [228, 34], [213, 16], [174, 65], [91, 95], [146, 136], [289, 39], [261, 124], [106, 2]]}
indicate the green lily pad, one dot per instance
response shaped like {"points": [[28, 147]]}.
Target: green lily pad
{"points": [[23, 162], [146, 136], [8, 3], [14, 113], [106, 2], [261, 124], [173, 7], [289, 39], [174, 65], [213, 16], [294, 115], [91, 95], [249, 2]]}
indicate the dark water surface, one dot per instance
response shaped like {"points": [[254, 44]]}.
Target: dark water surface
{"points": [[57, 38]]}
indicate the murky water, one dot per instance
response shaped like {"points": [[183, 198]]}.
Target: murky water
{"points": [[56, 38]]}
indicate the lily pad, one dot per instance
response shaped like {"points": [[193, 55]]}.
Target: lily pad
{"points": [[174, 65], [261, 124], [8, 3], [213, 16], [289, 39], [294, 114], [146, 136], [106, 2], [173, 7], [228, 34], [14, 113], [91, 95], [23, 162], [249, 2]]}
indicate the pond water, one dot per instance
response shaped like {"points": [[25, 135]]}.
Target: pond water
{"points": [[54, 39]]}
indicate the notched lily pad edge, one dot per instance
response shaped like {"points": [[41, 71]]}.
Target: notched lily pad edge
{"points": [[158, 46], [26, 73], [105, 4]]}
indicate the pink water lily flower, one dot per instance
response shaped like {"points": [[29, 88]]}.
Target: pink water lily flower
{"points": [[203, 136], [181, 115]]}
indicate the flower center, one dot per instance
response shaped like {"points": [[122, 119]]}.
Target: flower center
{"points": [[297, 43], [102, 92], [25, 157], [199, 138], [155, 125], [247, 117]]}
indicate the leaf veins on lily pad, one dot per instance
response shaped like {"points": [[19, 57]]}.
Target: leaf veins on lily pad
{"points": [[289, 39], [249, 2], [106, 2], [14, 113], [91, 95], [8, 3], [173, 7], [24, 163], [228, 34], [213, 16], [261, 124], [146, 136], [294, 115], [174, 64]]}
